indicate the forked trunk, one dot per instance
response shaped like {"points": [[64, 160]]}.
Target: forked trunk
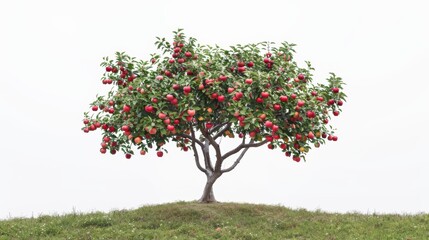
{"points": [[208, 196]]}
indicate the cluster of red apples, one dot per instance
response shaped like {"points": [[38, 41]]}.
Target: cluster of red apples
{"points": [[238, 92]]}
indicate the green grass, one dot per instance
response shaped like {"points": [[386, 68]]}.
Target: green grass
{"points": [[190, 220]]}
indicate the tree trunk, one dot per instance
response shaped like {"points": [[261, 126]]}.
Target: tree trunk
{"points": [[208, 196]]}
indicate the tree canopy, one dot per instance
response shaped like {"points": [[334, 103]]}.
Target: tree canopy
{"points": [[194, 94]]}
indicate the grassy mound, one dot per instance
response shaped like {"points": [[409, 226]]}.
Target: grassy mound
{"points": [[190, 220]]}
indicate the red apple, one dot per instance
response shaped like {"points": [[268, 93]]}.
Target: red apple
{"points": [[191, 112], [176, 87], [162, 115], [296, 158], [126, 108], [132, 77], [223, 78], [221, 98], [311, 114], [159, 153], [283, 98], [335, 90], [152, 131], [169, 97], [170, 128], [240, 64], [250, 64], [188, 54], [275, 128], [301, 76], [277, 107], [300, 103], [125, 128], [187, 89], [336, 113], [148, 108], [94, 108], [268, 124], [310, 135], [128, 155], [248, 81], [252, 134], [265, 94]]}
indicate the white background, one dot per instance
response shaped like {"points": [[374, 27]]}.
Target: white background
{"points": [[50, 53]]}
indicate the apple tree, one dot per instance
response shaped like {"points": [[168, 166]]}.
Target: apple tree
{"points": [[194, 95]]}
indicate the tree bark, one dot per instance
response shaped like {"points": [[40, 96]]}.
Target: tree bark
{"points": [[208, 195]]}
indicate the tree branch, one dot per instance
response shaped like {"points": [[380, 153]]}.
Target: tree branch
{"points": [[214, 129], [217, 149], [221, 132], [236, 161], [241, 146], [206, 152], [197, 158]]}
